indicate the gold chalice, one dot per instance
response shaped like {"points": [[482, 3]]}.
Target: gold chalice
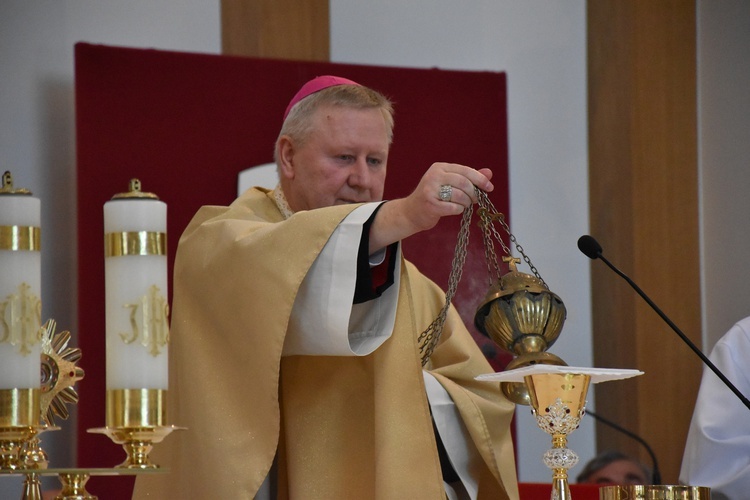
{"points": [[558, 402]]}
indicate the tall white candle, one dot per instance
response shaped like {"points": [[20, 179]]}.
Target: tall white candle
{"points": [[20, 288], [135, 266]]}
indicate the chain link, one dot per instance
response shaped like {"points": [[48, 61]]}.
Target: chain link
{"points": [[487, 212], [429, 338]]}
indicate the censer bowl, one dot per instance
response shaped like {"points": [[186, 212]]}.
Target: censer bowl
{"points": [[521, 315], [523, 318]]}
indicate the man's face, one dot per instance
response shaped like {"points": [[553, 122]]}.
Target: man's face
{"points": [[343, 160]]}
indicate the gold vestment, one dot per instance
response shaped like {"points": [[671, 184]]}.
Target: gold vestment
{"points": [[345, 427]]}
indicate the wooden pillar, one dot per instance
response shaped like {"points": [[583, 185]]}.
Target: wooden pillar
{"points": [[281, 29], [644, 212]]}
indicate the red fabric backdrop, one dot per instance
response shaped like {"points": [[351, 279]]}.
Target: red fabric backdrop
{"points": [[185, 124], [543, 491]]}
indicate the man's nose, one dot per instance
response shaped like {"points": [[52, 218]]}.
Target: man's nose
{"points": [[360, 175]]}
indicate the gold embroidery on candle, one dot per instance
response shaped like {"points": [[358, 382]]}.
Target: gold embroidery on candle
{"points": [[21, 319], [149, 322]]}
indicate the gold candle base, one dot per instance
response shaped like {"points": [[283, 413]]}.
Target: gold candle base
{"points": [[74, 487], [11, 441], [654, 492], [136, 408], [19, 407], [558, 401], [31, 455], [19, 415], [137, 443], [136, 419]]}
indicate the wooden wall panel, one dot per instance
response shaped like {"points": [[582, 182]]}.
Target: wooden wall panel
{"points": [[280, 29], [644, 211]]}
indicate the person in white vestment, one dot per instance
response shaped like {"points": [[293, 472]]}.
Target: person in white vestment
{"points": [[717, 450]]}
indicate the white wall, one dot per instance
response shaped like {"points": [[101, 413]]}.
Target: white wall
{"points": [[724, 158], [541, 45]]}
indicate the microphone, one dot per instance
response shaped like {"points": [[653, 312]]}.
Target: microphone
{"points": [[590, 247], [593, 250], [655, 473]]}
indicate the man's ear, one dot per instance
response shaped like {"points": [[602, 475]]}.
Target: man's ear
{"points": [[286, 156]]}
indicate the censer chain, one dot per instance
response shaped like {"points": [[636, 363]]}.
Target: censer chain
{"points": [[487, 213], [429, 338]]}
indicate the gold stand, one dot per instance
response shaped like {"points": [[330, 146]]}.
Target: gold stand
{"points": [[136, 420], [18, 419], [32, 457], [137, 443], [32, 487], [20, 447], [11, 441], [558, 401], [654, 492], [74, 487], [22, 451], [72, 481]]}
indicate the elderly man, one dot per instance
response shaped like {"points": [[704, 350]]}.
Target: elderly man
{"points": [[615, 467], [296, 346]]}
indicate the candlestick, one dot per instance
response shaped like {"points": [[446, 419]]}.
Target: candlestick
{"points": [[20, 319], [137, 331], [20, 302]]}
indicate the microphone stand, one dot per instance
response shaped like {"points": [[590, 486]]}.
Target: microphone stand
{"points": [[684, 337], [656, 474]]}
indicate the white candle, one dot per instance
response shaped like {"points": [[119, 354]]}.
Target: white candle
{"points": [[20, 290], [135, 269]]}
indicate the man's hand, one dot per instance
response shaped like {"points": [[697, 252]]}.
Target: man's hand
{"points": [[423, 208]]}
